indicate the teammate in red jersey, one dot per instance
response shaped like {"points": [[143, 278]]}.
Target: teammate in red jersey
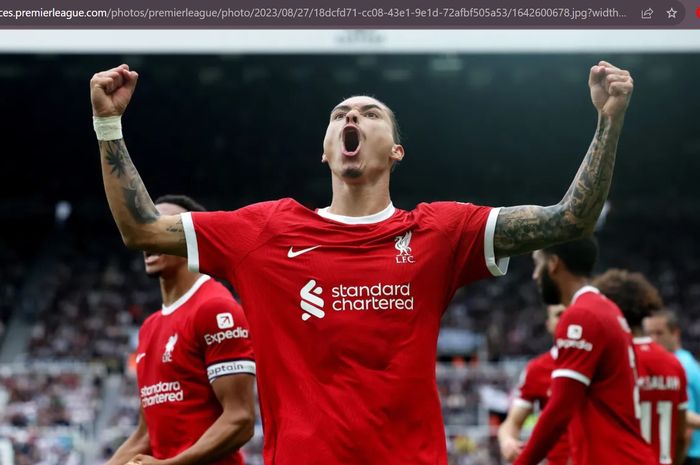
{"points": [[533, 391], [345, 302], [662, 382], [194, 363], [594, 389]]}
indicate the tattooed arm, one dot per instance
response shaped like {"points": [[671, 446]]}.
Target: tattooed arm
{"points": [[526, 228], [140, 224]]}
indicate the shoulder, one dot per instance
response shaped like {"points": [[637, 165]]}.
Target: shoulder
{"points": [[149, 322], [451, 215], [214, 296]]}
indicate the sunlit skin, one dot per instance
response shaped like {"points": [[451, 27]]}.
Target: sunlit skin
{"points": [[656, 327], [360, 174]]}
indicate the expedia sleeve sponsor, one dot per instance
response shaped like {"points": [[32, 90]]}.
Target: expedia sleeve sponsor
{"points": [[161, 393], [221, 336], [230, 368], [572, 344]]}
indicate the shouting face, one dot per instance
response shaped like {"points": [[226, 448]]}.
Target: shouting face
{"points": [[359, 142]]}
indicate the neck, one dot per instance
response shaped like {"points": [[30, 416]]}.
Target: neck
{"points": [[570, 287], [174, 286], [359, 199], [638, 332]]}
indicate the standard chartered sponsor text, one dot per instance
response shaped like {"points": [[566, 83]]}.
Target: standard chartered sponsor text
{"points": [[372, 297], [161, 393]]}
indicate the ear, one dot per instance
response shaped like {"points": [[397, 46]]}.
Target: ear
{"points": [[397, 152], [323, 158]]}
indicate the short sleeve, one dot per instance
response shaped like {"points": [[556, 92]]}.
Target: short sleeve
{"points": [[470, 229], [580, 342], [223, 333], [525, 395], [218, 241]]}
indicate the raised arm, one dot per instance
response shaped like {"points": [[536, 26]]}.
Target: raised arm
{"points": [[526, 228], [140, 224]]}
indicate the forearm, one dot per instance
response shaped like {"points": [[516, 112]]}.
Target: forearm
{"points": [[586, 196], [525, 228], [508, 430], [693, 420], [131, 206], [223, 437], [137, 443]]}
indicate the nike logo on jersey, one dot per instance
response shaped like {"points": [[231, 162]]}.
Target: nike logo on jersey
{"points": [[292, 253], [140, 356]]}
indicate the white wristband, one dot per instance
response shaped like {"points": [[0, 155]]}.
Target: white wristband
{"points": [[108, 127]]}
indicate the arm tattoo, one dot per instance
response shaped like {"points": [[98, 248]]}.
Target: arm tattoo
{"points": [[178, 229], [526, 228], [135, 196]]}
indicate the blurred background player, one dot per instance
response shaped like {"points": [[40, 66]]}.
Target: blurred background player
{"points": [[662, 382], [594, 380], [662, 326], [350, 296], [194, 363], [533, 391]]}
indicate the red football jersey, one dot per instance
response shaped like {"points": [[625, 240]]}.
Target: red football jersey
{"points": [[594, 346], [663, 396], [182, 349], [534, 388], [345, 313]]}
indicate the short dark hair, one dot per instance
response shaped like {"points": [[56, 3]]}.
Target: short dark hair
{"points": [[632, 292], [670, 317], [396, 132], [184, 201], [579, 256]]}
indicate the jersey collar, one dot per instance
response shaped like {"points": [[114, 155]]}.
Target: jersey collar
{"points": [[642, 340], [167, 310], [583, 290], [369, 219]]}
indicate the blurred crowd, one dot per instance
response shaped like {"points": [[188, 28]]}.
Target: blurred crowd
{"points": [[48, 410], [97, 295]]}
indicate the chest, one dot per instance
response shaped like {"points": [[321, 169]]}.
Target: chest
{"points": [[167, 350]]}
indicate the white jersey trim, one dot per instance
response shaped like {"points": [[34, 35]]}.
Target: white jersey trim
{"points": [[642, 340], [496, 267], [191, 239], [565, 373], [583, 290], [522, 403], [168, 309], [369, 219], [233, 367]]}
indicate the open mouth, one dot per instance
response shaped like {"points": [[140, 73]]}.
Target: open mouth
{"points": [[351, 141]]}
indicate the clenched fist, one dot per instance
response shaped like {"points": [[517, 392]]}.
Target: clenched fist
{"points": [[111, 91], [611, 89]]}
